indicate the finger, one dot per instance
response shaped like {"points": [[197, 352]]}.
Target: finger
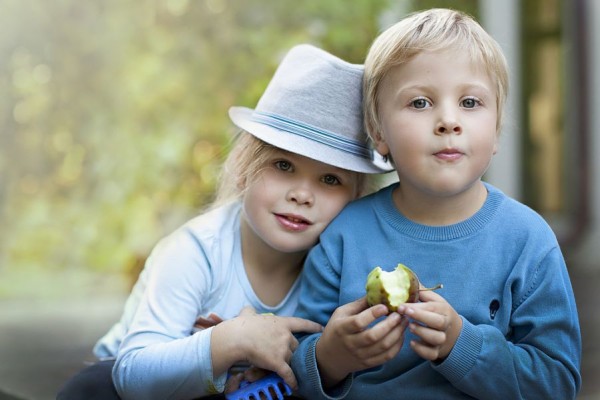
{"points": [[391, 330], [286, 373], [254, 373], [368, 316], [424, 351], [431, 337], [434, 315], [203, 323], [385, 332], [430, 295], [233, 383], [434, 306], [247, 311], [354, 307], [357, 323], [215, 318], [296, 324], [433, 318], [387, 347], [293, 344]]}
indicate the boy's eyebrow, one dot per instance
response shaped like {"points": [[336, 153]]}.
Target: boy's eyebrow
{"points": [[426, 87]]}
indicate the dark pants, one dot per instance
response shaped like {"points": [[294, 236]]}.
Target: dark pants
{"points": [[95, 383], [92, 383]]}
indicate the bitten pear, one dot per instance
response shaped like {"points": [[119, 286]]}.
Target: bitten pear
{"points": [[394, 288]]}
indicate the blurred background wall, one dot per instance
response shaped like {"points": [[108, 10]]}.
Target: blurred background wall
{"points": [[113, 124]]}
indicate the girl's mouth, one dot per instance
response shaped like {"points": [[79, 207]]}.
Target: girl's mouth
{"points": [[293, 222]]}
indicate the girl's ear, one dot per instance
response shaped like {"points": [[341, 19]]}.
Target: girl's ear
{"points": [[241, 183], [380, 145]]}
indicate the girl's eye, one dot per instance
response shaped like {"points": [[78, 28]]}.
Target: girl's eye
{"points": [[283, 165], [470, 102], [420, 103], [331, 180]]}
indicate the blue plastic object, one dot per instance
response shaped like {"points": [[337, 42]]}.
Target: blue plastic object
{"points": [[268, 385]]}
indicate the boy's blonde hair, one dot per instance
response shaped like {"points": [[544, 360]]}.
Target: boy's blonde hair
{"points": [[430, 30], [248, 156]]}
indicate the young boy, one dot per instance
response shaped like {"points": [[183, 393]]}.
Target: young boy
{"points": [[505, 324]]}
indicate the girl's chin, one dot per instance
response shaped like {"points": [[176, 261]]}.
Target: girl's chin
{"points": [[292, 247]]}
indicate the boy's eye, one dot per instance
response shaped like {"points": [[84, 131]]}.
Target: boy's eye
{"points": [[283, 165], [419, 103], [331, 180], [469, 102]]}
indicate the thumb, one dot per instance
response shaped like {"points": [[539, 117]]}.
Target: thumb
{"points": [[361, 308], [353, 308]]}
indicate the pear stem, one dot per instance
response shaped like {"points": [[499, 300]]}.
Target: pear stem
{"points": [[436, 287]]}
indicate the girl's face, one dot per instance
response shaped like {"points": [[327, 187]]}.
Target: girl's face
{"points": [[294, 198], [438, 117]]}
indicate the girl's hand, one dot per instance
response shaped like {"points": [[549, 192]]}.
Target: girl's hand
{"points": [[233, 382], [251, 374], [264, 341], [435, 322], [348, 344]]}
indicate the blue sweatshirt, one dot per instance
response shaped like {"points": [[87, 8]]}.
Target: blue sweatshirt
{"points": [[502, 271]]}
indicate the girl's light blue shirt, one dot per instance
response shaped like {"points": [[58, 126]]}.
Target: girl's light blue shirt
{"points": [[194, 272]]}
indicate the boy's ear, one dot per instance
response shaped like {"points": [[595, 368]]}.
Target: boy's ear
{"points": [[495, 150]]}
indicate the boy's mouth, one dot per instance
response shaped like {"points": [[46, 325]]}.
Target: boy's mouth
{"points": [[449, 154]]}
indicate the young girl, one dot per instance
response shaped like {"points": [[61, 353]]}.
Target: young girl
{"points": [[298, 161], [505, 324]]}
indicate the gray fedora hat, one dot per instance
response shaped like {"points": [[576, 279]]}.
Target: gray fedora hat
{"points": [[313, 107]]}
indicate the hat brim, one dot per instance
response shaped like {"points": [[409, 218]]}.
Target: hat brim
{"points": [[242, 118]]}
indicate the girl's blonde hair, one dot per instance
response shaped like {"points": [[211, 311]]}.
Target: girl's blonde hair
{"points": [[430, 30], [247, 157]]}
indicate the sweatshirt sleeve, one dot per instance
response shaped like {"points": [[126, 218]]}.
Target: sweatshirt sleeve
{"points": [[318, 300], [160, 357], [540, 357]]}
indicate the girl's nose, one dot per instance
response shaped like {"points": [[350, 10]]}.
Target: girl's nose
{"points": [[301, 195]]}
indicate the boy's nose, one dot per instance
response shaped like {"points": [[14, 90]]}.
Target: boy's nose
{"points": [[448, 120], [448, 123], [444, 127]]}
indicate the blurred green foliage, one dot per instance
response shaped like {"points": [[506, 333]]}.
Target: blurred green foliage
{"points": [[113, 114]]}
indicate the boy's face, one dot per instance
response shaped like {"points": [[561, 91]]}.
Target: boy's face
{"points": [[438, 117], [293, 199]]}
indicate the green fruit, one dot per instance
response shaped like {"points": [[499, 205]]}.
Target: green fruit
{"points": [[393, 288]]}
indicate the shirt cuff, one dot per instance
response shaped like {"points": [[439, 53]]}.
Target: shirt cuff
{"points": [[464, 354]]}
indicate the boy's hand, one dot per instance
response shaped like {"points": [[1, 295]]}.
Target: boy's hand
{"points": [[348, 344], [435, 322]]}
